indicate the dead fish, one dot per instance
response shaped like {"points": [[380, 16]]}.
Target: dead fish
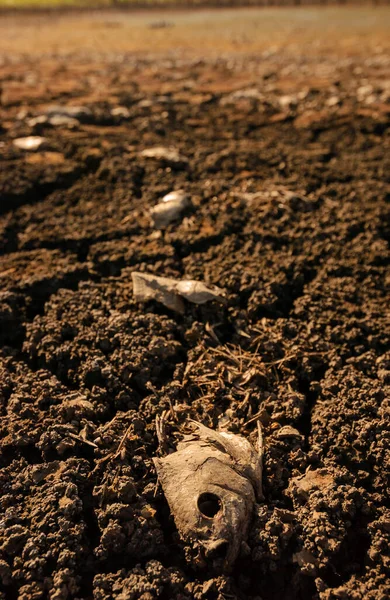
{"points": [[170, 208], [170, 291], [31, 143], [212, 483]]}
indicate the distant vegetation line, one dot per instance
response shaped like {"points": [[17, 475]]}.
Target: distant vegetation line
{"points": [[82, 4]]}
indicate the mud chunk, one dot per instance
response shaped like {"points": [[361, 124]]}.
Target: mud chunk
{"points": [[288, 432], [31, 143], [78, 407], [150, 581], [170, 291], [211, 483], [170, 208], [312, 480], [43, 159]]}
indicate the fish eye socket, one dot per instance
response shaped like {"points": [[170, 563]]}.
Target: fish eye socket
{"points": [[209, 505]]}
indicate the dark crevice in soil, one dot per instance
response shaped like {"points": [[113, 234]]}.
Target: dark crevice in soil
{"points": [[11, 592], [138, 182], [174, 556], [10, 239], [289, 585], [297, 290], [92, 534], [39, 192], [41, 292], [351, 558], [29, 452], [80, 246], [304, 424], [183, 249], [36, 297], [14, 340], [114, 267]]}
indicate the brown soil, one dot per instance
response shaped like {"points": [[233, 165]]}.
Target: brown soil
{"points": [[290, 217]]}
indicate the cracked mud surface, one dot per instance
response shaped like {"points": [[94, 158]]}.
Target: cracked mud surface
{"points": [[287, 158]]}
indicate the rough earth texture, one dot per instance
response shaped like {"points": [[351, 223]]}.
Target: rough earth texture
{"points": [[285, 160]]}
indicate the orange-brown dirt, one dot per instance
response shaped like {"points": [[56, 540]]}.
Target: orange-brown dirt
{"points": [[282, 117]]}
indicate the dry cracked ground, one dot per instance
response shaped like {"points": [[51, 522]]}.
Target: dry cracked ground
{"points": [[280, 118]]}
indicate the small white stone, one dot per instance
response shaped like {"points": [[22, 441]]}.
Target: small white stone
{"points": [[63, 121], [32, 142], [364, 90], [287, 101], [170, 208], [176, 196], [333, 101], [120, 111], [289, 432], [74, 112]]}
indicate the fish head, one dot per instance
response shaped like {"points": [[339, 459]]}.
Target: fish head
{"points": [[211, 503], [223, 517], [210, 483]]}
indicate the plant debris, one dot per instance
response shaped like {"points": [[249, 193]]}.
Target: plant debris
{"points": [[170, 208], [73, 112], [170, 291], [167, 155], [31, 143], [212, 483]]}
